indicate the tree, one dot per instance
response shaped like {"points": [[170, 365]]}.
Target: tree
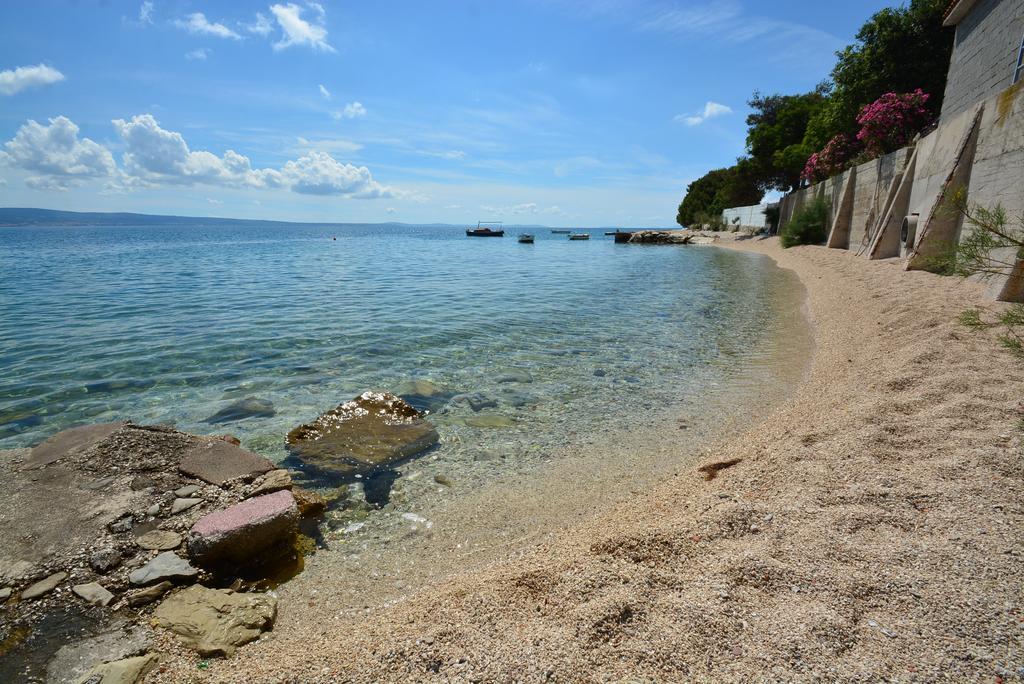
{"points": [[897, 50], [716, 190], [775, 137]]}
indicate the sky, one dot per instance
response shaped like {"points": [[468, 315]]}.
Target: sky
{"points": [[553, 112]]}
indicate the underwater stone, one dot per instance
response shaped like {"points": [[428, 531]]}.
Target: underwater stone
{"points": [[250, 407]]}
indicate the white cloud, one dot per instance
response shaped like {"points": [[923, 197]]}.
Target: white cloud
{"points": [[352, 110], [297, 31], [329, 144], [15, 80], [711, 110], [199, 54], [261, 27], [318, 173], [199, 25], [325, 92], [57, 154], [146, 13], [525, 208], [211, 200], [391, 210]]}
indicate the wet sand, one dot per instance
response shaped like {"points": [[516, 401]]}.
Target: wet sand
{"points": [[871, 529]]}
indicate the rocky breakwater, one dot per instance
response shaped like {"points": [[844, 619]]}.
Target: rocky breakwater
{"points": [[671, 237], [370, 433], [105, 521]]}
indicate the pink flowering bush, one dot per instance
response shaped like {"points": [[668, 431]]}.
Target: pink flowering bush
{"points": [[890, 122], [832, 159]]}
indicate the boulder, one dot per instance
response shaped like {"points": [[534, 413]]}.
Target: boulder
{"points": [[159, 540], [216, 461], [44, 586], [373, 430], [127, 671], [215, 622], [310, 503], [250, 407], [166, 566], [93, 593], [239, 532]]}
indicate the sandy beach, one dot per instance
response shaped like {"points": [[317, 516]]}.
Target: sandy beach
{"points": [[869, 529]]}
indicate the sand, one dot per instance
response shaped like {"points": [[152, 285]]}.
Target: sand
{"points": [[869, 530]]}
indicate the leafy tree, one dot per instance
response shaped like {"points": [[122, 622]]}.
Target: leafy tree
{"points": [[716, 190], [775, 137], [897, 50]]}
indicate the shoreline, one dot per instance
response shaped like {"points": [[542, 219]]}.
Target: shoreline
{"points": [[870, 530]]}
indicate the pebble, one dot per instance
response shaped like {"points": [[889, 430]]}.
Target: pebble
{"points": [[153, 510], [44, 586], [105, 560], [94, 593], [5, 593], [159, 540], [186, 491], [180, 505]]}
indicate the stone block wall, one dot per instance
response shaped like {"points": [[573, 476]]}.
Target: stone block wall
{"points": [[984, 54]]}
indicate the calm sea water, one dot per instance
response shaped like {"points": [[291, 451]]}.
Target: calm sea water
{"points": [[171, 324]]}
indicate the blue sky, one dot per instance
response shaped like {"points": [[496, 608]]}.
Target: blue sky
{"points": [[529, 111]]}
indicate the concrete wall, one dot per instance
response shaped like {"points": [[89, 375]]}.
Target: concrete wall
{"points": [[984, 53], [749, 217], [980, 150]]}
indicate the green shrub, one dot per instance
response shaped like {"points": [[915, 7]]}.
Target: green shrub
{"points": [[807, 226]]}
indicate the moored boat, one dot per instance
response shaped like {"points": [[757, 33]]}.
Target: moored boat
{"points": [[526, 238], [490, 229], [622, 236], [560, 232], [580, 236]]}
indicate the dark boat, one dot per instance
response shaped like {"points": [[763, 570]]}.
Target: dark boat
{"points": [[485, 230], [580, 236], [622, 236], [560, 232], [526, 238]]}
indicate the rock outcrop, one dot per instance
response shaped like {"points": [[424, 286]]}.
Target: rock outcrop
{"points": [[245, 530], [215, 622], [670, 237], [372, 431]]}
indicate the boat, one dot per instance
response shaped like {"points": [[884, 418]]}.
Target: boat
{"points": [[580, 236], [622, 236], [489, 229], [560, 232], [526, 238]]}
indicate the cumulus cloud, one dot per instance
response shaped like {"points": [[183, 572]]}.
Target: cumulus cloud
{"points": [[297, 31], [325, 92], [353, 110], [57, 155], [15, 80], [261, 27], [146, 13], [197, 24], [318, 173], [199, 54], [711, 110]]}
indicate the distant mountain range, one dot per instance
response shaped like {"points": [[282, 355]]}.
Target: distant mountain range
{"points": [[22, 216]]}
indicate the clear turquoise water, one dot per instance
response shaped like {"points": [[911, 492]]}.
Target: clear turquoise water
{"points": [[170, 324]]}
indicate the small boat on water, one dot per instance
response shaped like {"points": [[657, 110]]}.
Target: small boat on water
{"points": [[526, 238], [622, 236], [580, 236], [490, 229], [560, 232]]}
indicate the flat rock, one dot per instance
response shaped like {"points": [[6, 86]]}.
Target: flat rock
{"points": [[240, 532], [375, 429], [5, 593], [489, 420], [186, 491], [159, 540], [274, 481], [127, 671], [514, 375], [423, 395], [71, 441], [44, 586], [72, 661], [475, 400], [166, 566], [215, 622], [216, 461], [15, 571], [250, 407], [94, 593], [180, 505], [146, 596]]}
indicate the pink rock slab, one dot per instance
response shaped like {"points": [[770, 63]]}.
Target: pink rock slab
{"points": [[239, 532]]}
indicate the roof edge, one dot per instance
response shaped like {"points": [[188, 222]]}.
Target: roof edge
{"points": [[957, 10]]}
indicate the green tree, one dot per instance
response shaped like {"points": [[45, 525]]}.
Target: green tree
{"points": [[735, 186], [775, 137], [897, 50]]}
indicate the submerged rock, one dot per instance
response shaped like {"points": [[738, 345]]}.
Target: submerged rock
{"points": [[514, 375], [240, 532], [423, 395], [489, 420], [475, 400], [250, 407], [166, 566], [373, 430], [215, 622]]}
